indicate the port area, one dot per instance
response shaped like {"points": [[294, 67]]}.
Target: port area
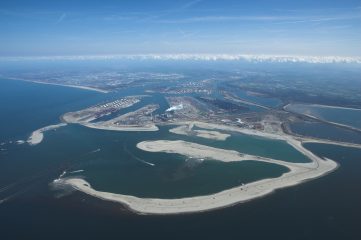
{"points": [[95, 112]]}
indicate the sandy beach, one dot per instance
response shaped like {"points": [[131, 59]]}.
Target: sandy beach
{"points": [[37, 136], [63, 85]]}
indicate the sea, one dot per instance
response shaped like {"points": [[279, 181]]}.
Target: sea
{"points": [[346, 116], [30, 208]]}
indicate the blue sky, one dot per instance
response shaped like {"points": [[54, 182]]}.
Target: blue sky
{"points": [[45, 28]]}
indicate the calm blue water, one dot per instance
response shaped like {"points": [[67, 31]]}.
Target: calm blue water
{"points": [[118, 167], [326, 131], [350, 117], [26, 106], [326, 208]]}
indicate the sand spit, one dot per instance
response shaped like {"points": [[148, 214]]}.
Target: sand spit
{"points": [[299, 172], [37, 136], [189, 131]]}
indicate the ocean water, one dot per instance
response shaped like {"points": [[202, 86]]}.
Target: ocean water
{"points": [[27, 106], [110, 161], [326, 131], [325, 208], [349, 117], [120, 167], [255, 145]]}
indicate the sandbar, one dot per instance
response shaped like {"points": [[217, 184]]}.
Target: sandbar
{"points": [[37, 136]]}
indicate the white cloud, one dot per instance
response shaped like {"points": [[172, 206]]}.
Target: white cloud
{"points": [[198, 57]]}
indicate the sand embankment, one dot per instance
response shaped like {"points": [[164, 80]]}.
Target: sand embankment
{"points": [[222, 199], [37, 136], [299, 172]]}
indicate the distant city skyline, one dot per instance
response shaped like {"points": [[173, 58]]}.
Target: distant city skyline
{"points": [[274, 27]]}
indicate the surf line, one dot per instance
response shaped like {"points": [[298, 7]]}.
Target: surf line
{"points": [[138, 159], [95, 151], [77, 171]]}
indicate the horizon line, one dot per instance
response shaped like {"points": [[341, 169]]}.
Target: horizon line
{"points": [[195, 57]]}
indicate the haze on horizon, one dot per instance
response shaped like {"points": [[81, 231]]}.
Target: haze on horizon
{"points": [[47, 28]]}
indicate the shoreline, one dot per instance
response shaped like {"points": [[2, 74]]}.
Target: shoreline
{"points": [[62, 85], [299, 173]]}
